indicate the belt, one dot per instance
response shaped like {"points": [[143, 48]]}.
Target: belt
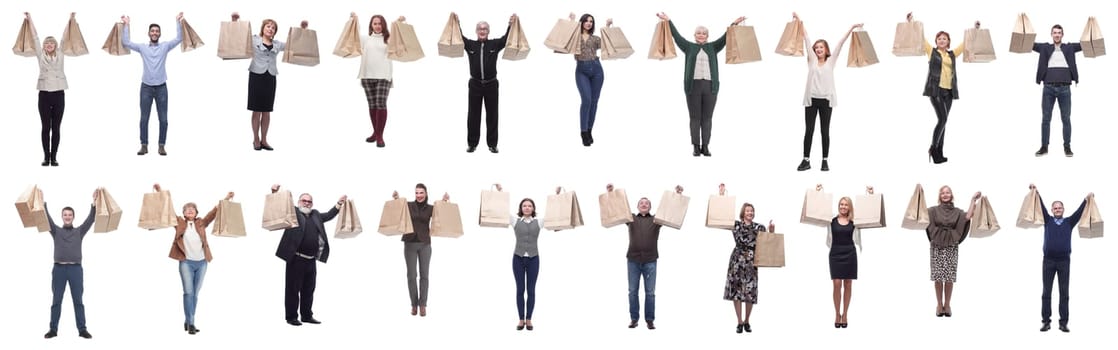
{"points": [[66, 263], [1057, 84], [304, 256], [483, 81]]}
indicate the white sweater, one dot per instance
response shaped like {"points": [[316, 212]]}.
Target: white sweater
{"points": [[821, 79], [374, 58]]}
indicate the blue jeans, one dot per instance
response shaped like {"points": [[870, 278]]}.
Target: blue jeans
{"points": [[60, 276], [1052, 95], [648, 271], [588, 77], [192, 272], [148, 94], [525, 270]]}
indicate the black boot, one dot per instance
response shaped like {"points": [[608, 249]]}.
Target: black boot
{"points": [[590, 135], [705, 151], [46, 158], [586, 138], [697, 151]]}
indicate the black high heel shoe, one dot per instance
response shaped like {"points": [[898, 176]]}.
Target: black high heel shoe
{"points": [[741, 327]]}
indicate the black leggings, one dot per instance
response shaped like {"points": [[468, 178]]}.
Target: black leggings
{"points": [[51, 105], [822, 107], [942, 104]]}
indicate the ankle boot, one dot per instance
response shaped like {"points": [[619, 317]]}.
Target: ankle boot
{"points": [[372, 119], [705, 151], [697, 151], [586, 138], [590, 135], [46, 159]]}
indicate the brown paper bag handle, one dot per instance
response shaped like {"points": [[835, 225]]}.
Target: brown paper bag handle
{"points": [[818, 187], [869, 190]]}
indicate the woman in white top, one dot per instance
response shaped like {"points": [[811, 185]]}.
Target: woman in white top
{"points": [[526, 227], [52, 91], [376, 74], [819, 94]]}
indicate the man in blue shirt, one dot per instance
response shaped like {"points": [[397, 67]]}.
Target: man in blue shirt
{"points": [[154, 83], [1056, 69], [1057, 258]]}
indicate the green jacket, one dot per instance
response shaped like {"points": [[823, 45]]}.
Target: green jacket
{"points": [[691, 52]]}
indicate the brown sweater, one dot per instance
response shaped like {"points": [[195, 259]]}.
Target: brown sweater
{"points": [[420, 221], [643, 237]]}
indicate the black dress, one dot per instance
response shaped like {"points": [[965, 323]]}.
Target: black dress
{"points": [[844, 255]]}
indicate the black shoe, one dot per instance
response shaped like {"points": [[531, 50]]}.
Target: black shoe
{"points": [[1045, 326], [265, 146], [46, 162], [633, 324], [650, 325], [697, 151], [493, 149], [824, 167], [705, 151], [1042, 151], [529, 327], [844, 324], [471, 149], [50, 334], [143, 150], [590, 135], [185, 326], [53, 162], [585, 139], [747, 328], [192, 330], [311, 320], [369, 139], [294, 322], [256, 147], [520, 327], [1067, 151], [85, 334], [380, 144], [1064, 328], [741, 327], [804, 165]]}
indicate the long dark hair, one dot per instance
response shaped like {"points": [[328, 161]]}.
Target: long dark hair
{"points": [[384, 27], [582, 20]]}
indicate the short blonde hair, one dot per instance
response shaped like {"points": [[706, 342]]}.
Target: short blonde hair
{"points": [[190, 205], [702, 29]]}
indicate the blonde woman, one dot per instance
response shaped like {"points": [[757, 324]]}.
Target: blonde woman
{"points": [[52, 92], [948, 227], [844, 240]]}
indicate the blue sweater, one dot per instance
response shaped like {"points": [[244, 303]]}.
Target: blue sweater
{"points": [[1057, 236]]}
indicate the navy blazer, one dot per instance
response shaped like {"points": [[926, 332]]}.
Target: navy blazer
{"points": [[289, 242], [1046, 50]]}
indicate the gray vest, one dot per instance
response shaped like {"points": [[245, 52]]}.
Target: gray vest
{"points": [[526, 236]]}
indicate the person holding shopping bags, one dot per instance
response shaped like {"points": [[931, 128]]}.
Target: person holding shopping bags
{"points": [[376, 74], [52, 91], [525, 259], [942, 85], [588, 74], [417, 248], [1056, 261], [947, 228], [819, 94], [153, 84], [741, 275], [68, 265], [262, 73], [844, 241], [700, 80], [192, 250]]}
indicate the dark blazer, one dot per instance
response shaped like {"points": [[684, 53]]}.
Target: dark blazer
{"points": [[289, 242], [1046, 50]]}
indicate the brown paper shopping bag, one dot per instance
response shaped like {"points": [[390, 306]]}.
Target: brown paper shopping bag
{"points": [[73, 42], [909, 39], [229, 221], [1092, 43], [516, 45], [348, 225], [190, 38], [614, 207], [980, 46], [302, 47], [1090, 222], [279, 211], [31, 211], [769, 250], [862, 53], [563, 212], [870, 211], [234, 41], [1023, 35], [450, 43], [25, 41], [741, 45], [672, 210], [663, 44], [721, 212], [157, 211], [817, 209], [615, 45], [1031, 214], [446, 220], [113, 44], [107, 213], [403, 46], [395, 218], [792, 40], [494, 209], [916, 213], [349, 42], [984, 223], [564, 37]]}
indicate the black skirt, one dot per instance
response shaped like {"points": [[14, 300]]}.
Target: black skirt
{"points": [[261, 92], [844, 262]]}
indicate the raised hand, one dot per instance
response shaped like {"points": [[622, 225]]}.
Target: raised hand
{"points": [[977, 195], [343, 199], [1032, 187], [663, 16], [609, 22], [772, 228], [229, 196], [1091, 195], [721, 189], [179, 17], [275, 188], [977, 24], [795, 16], [125, 19], [572, 16], [609, 187], [859, 25], [353, 14], [679, 189], [156, 187], [303, 24], [401, 19], [908, 17], [869, 189], [558, 189], [739, 20], [498, 186], [395, 195], [446, 197], [235, 16]]}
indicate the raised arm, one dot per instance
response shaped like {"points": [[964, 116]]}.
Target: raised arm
{"points": [[973, 203], [88, 223], [178, 32], [1043, 209], [126, 34], [807, 42], [680, 41], [842, 42], [961, 50], [720, 43], [1074, 217], [35, 36], [333, 211]]}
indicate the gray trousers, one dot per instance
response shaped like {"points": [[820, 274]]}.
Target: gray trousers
{"points": [[700, 104], [418, 252]]}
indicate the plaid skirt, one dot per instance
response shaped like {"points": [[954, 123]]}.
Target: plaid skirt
{"points": [[376, 91]]}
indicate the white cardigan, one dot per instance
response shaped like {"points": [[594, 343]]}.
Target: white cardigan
{"points": [[824, 73]]}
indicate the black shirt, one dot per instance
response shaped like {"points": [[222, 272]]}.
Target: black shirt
{"points": [[483, 56]]}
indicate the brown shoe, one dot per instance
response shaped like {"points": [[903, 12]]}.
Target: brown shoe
{"points": [[162, 151]]}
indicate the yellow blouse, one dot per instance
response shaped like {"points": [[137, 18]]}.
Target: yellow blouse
{"points": [[946, 74]]}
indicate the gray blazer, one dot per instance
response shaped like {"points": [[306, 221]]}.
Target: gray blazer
{"points": [[264, 60]]}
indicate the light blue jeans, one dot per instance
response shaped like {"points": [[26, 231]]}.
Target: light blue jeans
{"points": [[192, 272]]}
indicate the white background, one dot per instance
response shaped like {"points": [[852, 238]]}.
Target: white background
{"points": [[881, 129]]}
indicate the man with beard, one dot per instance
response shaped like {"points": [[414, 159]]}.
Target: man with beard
{"points": [[300, 246], [153, 85]]}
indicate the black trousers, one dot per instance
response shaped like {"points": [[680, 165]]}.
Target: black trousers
{"points": [[941, 102], [51, 105], [482, 93], [299, 291], [700, 106], [822, 108], [1055, 267]]}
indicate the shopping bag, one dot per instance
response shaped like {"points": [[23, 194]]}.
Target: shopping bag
{"points": [[302, 47], [816, 209], [450, 43], [1032, 212], [980, 46], [1090, 221], [909, 39], [279, 211], [721, 212], [446, 220], [107, 213], [673, 209], [983, 223], [31, 210], [862, 53], [564, 37], [614, 207], [1023, 35], [113, 44], [395, 218], [663, 44], [615, 45], [348, 225], [916, 213], [563, 212], [73, 42], [234, 41], [791, 41], [494, 209], [741, 45], [516, 45], [870, 211], [403, 45], [229, 221], [1092, 43], [349, 43], [25, 41], [157, 211], [190, 38], [769, 250]]}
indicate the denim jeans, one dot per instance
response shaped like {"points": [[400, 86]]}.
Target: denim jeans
{"points": [[588, 77], [1052, 95], [1051, 268], [525, 270], [648, 271], [60, 276], [148, 94], [192, 272]]}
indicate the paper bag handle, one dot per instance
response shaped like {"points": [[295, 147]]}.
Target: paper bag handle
{"points": [[722, 189], [869, 190]]}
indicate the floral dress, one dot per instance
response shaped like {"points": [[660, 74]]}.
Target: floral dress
{"points": [[741, 275]]}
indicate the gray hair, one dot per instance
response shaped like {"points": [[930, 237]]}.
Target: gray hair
{"points": [[702, 29], [482, 22]]}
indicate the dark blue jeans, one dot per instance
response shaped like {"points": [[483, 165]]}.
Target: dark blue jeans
{"points": [[1055, 94], [525, 270], [158, 94], [1055, 267], [60, 276], [588, 77], [648, 271]]}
